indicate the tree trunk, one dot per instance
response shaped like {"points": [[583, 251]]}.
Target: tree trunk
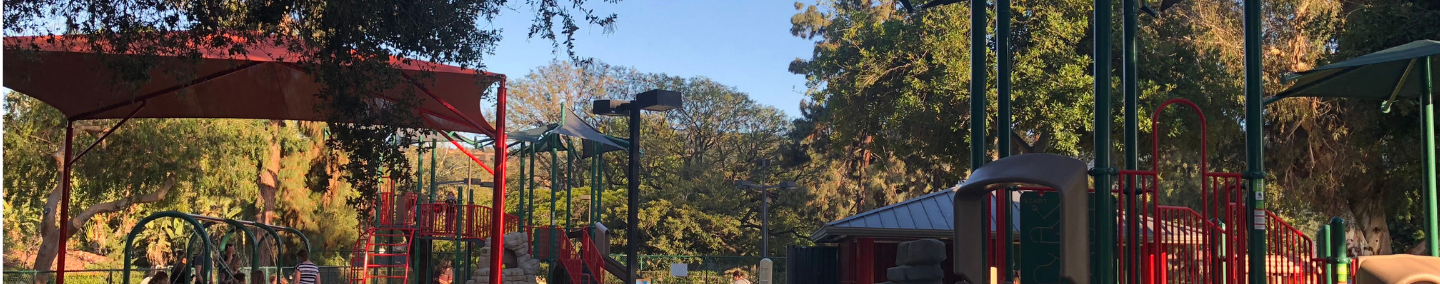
{"points": [[50, 227], [268, 182], [1369, 234]]}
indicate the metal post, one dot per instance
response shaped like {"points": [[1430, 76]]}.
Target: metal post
{"points": [[1131, 88], [977, 86], [434, 155], [1002, 44], [65, 202], [1322, 250], [1254, 140], [497, 209], [595, 183], [1427, 104], [569, 173], [1104, 219], [530, 215], [523, 206], [554, 172], [632, 229], [764, 222], [1341, 273]]}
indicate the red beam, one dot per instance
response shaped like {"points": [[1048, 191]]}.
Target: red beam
{"points": [[108, 132], [497, 209]]}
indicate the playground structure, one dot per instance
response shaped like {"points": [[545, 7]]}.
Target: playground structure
{"points": [[396, 246], [206, 250], [262, 81], [1156, 244]]}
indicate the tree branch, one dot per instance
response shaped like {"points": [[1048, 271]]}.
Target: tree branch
{"points": [[113, 206]]}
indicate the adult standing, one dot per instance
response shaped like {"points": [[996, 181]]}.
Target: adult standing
{"points": [[306, 272]]}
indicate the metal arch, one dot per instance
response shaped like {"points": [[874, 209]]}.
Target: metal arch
{"points": [[140, 226], [1155, 134], [254, 249]]}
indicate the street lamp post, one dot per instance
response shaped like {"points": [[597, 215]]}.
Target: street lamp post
{"points": [[652, 100], [764, 210]]}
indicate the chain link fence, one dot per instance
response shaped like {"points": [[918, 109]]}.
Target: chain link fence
{"points": [[328, 275], [654, 268], [702, 269]]}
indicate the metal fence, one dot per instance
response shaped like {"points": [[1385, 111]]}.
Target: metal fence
{"points": [[328, 275], [702, 269], [655, 268]]}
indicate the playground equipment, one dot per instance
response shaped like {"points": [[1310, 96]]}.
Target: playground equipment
{"points": [[206, 250], [1397, 269], [262, 81], [400, 240], [1155, 244]]}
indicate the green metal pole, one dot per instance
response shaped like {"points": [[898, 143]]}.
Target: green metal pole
{"points": [[530, 215], [1338, 248], [434, 155], [1131, 90], [977, 84], [1103, 270], [569, 173], [595, 183], [1427, 103], [554, 174], [1255, 140], [419, 170], [1322, 249], [1002, 38], [977, 88], [521, 203]]}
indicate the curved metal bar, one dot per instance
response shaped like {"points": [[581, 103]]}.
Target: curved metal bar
{"points": [[140, 226], [254, 249]]}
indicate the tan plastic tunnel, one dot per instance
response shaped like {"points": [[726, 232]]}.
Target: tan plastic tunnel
{"points": [[1066, 175]]}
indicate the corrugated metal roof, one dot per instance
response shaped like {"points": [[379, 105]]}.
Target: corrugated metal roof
{"points": [[927, 216]]}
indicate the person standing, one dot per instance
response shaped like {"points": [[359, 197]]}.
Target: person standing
{"points": [[306, 272], [739, 278]]}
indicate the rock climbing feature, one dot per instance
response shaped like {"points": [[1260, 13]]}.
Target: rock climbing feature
{"points": [[918, 262], [520, 267]]}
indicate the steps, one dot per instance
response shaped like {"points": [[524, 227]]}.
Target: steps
{"points": [[382, 256]]}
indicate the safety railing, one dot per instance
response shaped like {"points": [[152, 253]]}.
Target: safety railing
{"points": [[395, 210], [477, 222], [1291, 254], [590, 256], [436, 219]]}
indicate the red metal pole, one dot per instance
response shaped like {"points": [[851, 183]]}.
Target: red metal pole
{"points": [[65, 201], [497, 207]]}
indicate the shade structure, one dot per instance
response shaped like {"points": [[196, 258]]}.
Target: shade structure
{"points": [[264, 81], [1376, 75], [570, 125], [1403, 71]]}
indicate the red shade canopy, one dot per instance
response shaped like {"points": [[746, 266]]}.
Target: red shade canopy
{"points": [[262, 82]]}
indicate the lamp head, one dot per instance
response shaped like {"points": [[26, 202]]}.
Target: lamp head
{"points": [[610, 107], [658, 100], [744, 184], [788, 184]]}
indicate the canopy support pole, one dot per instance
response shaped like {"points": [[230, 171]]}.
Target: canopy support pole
{"points": [[1427, 105], [108, 132], [65, 202], [1255, 142], [497, 203]]}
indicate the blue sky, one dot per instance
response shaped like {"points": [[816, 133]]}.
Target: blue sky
{"points": [[742, 43]]}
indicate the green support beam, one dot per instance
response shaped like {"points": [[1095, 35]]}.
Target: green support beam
{"points": [[1003, 125], [1103, 269], [1427, 105], [977, 86], [1255, 140]]}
